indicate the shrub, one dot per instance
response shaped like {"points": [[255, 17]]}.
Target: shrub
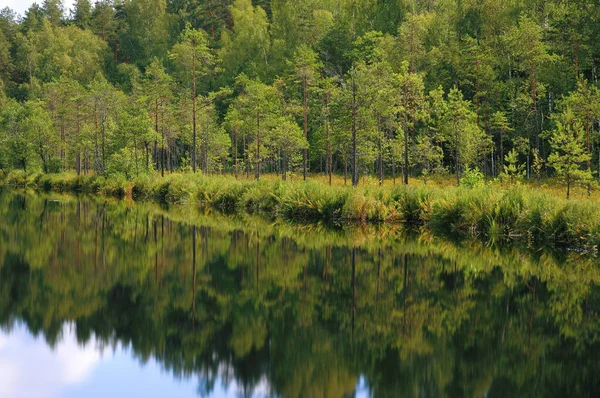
{"points": [[261, 197], [535, 217], [180, 189], [142, 188], [413, 204], [472, 178]]}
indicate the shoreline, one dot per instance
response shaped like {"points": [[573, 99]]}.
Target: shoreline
{"points": [[489, 214]]}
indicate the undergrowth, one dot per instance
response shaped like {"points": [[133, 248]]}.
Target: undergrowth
{"points": [[488, 213]]}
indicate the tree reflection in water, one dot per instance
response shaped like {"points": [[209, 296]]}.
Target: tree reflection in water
{"points": [[301, 310]]}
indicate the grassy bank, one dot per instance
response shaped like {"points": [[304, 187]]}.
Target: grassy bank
{"points": [[491, 213]]}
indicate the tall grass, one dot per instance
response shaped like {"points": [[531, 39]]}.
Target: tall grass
{"points": [[492, 213]]}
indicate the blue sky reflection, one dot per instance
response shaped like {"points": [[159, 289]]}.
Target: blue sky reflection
{"points": [[29, 367]]}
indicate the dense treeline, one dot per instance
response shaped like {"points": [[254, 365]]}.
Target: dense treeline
{"points": [[302, 310], [387, 88]]}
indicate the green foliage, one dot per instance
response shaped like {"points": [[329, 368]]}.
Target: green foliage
{"points": [[568, 152], [378, 88], [193, 53], [467, 141], [246, 48], [143, 38], [122, 163], [494, 215], [414, 205], [513, 171], [472, 178], [295, 303]]}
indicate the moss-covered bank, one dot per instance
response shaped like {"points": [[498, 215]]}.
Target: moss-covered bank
{"points": [[491, 213]]}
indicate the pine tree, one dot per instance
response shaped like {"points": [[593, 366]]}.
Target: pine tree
{"points": [[195, 56], [568, 152], [464, 137], [306, 65]]}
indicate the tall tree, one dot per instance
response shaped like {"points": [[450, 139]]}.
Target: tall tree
{"points": [[104, 22], [500, 125], [568, 151], [234, 124], [306, 65], [411, 106], [195, 56], [156, 93], [466, 140], [17, 147], [585, 105], [39, 129], [329, 91], [105, 103], [528, 52], [53, 10], [144, 31], [81, 14], [288, 140], [246, 48], [260, 108], [131, 154], [214, 141]]}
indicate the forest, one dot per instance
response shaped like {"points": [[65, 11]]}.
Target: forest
{"points": [[360, 88]]}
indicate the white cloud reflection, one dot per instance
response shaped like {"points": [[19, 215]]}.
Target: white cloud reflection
{"points": [[30, 368]]}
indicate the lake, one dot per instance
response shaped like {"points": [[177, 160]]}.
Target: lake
{"points": [[105, 298]]}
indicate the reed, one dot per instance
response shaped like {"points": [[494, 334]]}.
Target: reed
{"points": [[492, 213]]}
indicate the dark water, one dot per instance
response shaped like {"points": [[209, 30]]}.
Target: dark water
{"points": [[109, 299]]}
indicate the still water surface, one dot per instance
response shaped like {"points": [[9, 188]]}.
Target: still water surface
{"points": [[112, 299]]}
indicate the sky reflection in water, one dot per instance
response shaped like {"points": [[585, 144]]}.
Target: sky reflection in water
{"points": [[229, 307], [29, 367]]}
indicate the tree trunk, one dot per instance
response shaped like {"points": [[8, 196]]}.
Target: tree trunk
{"points": [[284, 167], [194, 115], [78, 157], [257, 145], [576, 56], [345, 171], [329, 151], [406, 134], [104, 141], [147, 147], [354, 149], [155, 154], [162, 152], [589, 153], [62, 146], [457, 156], [44, 163], [501, 163], [235, 152], [96, 149], [247, 156], [405, 168], [380, 155], [135, 155], [535, 114], [305, 114], [393, 168]]}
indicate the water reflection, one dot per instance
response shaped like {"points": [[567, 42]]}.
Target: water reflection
{"points": [[29, 367], [215, 306]]}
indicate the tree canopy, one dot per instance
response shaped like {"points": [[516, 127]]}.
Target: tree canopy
{"points": [[424, 87]]}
